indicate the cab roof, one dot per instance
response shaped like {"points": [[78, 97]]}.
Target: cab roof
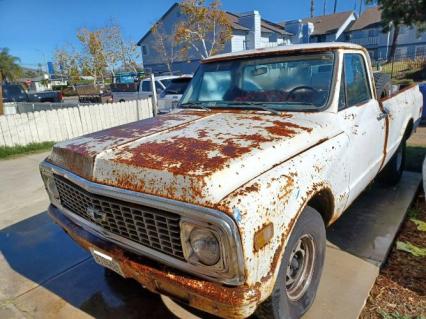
{"points": [[296, 48]]}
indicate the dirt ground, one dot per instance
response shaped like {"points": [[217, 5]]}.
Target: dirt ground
{"points": [[400, 289]]}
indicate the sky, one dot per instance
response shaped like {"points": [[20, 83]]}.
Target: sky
{"points": [[33, 29]]}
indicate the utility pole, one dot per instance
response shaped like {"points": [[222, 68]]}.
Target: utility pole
{"points": [[312, 8], [325, 5], [335, 6], [1, 95]]}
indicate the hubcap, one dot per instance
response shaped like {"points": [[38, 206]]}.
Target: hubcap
{"points": [[300, 267]]}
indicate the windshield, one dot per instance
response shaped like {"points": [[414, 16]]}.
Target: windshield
{"points": [[282, 83], [177, 86]]}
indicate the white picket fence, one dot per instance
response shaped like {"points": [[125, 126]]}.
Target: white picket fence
{"points": [[62, 124]]}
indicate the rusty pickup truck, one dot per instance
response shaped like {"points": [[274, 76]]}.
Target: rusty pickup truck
{"points": [[223, 204]]}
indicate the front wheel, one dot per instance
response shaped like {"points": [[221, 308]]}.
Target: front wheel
{"points": [[300, 270]]}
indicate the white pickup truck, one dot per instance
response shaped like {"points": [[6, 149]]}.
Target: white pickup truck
{"points": [[223, 205], [134, 91]]}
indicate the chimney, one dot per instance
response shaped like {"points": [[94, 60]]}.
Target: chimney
{"points": [[252, 21], [301, 31]]}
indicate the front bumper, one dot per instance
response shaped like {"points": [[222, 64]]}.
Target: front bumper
{"points": [[220, 300]]}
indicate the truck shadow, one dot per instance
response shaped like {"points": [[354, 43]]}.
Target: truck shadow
{"points": [[36, 252], [368, 228]]}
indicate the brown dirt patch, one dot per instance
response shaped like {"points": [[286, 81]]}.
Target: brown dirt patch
{"points": [[400, 289]]}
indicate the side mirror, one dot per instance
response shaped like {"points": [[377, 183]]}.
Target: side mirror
{"points": [[259, 71]]}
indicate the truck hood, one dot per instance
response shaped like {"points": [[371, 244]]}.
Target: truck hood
{"points": [[193, 156]]}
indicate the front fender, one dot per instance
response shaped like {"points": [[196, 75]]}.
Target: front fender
{"points": [[278, 196]]}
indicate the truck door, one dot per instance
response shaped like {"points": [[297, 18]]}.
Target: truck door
{"points": [[361, 118]]}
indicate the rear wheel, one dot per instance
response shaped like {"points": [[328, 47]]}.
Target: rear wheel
{"points": [[300, 270], [391, 174]]}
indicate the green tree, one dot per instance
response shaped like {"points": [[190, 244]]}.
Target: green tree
{"points": [[92, 59], [9, 66], [396, 13]]}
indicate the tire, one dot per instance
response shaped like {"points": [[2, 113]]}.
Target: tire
{"points": [[291, 300], [392, 172], [383, 84]]}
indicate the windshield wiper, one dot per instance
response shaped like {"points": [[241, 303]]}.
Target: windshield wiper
{"points": [[256, 106], [198, 105], [172, 92]]}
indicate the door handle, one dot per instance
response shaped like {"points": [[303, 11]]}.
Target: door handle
{"points": [[382, 116]]}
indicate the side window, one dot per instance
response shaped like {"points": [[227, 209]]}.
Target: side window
{"points": [[146, 86], [356, 81], [342, 93]]}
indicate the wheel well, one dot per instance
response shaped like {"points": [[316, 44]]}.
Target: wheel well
{"points": [[323, 202], [409, 129]]}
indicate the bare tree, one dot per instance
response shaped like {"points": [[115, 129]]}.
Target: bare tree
{"points": [[118, 52], [204, 29], [66, 61], [166, 45]]}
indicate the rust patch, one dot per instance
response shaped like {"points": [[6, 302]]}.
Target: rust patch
{"points": [[385, 143], [182, 155], [286, 129], [226, 301], [202, 133], [255, 187]]}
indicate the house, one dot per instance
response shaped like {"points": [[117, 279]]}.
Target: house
{"points": [[367, 31], [326, 28], [249, 31]]}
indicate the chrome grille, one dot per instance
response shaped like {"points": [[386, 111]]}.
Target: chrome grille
{"points": [[147, 226]]}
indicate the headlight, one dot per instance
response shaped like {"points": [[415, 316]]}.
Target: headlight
{"points": [[205, 246], [202, 245], [49, 183]]}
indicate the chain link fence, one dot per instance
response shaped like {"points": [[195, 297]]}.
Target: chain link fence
{"points": [[404, 67]]}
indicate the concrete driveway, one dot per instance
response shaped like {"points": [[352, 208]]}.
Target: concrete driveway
{"points": [[43, 274]]}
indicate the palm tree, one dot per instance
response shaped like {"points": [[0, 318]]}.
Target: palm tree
{"points": [[9, 66]]}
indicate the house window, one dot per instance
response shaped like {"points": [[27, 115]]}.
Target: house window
{"points": [[401, 52], [144, 50], [403, 30], [420, 51], [373, 33]]}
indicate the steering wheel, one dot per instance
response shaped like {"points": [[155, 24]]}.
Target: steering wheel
{"points": [[303, 88]]}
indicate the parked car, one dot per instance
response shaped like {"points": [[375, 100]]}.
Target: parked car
{"points": [[89, 93], [13, 93], [171, 95], [16, 93], [45, 96], [133, 91], [223, 204]]}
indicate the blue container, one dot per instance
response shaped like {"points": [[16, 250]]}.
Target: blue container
{"points": [[422, 87]]}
